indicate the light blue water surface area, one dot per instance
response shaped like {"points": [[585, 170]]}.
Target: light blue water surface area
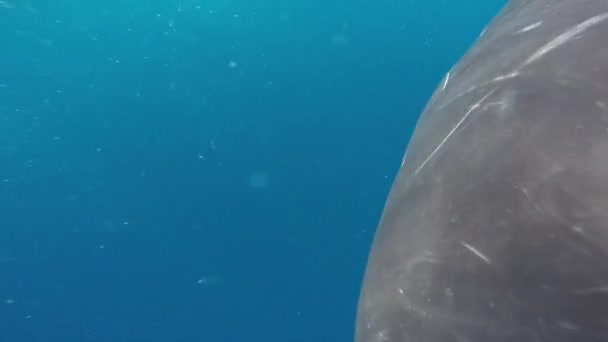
{"points": [[205, 170]]}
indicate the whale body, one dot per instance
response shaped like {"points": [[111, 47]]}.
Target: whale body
{"points": [[496, 226]]}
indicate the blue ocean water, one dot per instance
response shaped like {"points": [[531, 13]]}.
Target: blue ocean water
{"points": [[205, 170]]}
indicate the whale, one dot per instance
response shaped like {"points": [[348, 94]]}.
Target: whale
{"points": [[495, 228]]}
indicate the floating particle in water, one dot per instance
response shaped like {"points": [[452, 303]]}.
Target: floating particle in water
{"points": [[209, 280], [258, 180], [232, 64], [6, 5], [339, 39]]}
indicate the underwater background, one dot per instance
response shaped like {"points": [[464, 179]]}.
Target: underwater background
{"points": [[205, 170]]}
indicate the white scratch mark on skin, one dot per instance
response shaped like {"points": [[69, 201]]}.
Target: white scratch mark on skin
{"points": [[578, 229], [464, 117], [404, 157], [424, 257], [476, 252], [382, 335], [591, 290], [445, 81], [483, 84], [505, 77], [530, 27], [501, 104], [568, 325], [566, 37], [534, 204]]}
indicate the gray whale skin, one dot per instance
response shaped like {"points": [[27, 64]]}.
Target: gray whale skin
{"points": [[496, 226]]}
